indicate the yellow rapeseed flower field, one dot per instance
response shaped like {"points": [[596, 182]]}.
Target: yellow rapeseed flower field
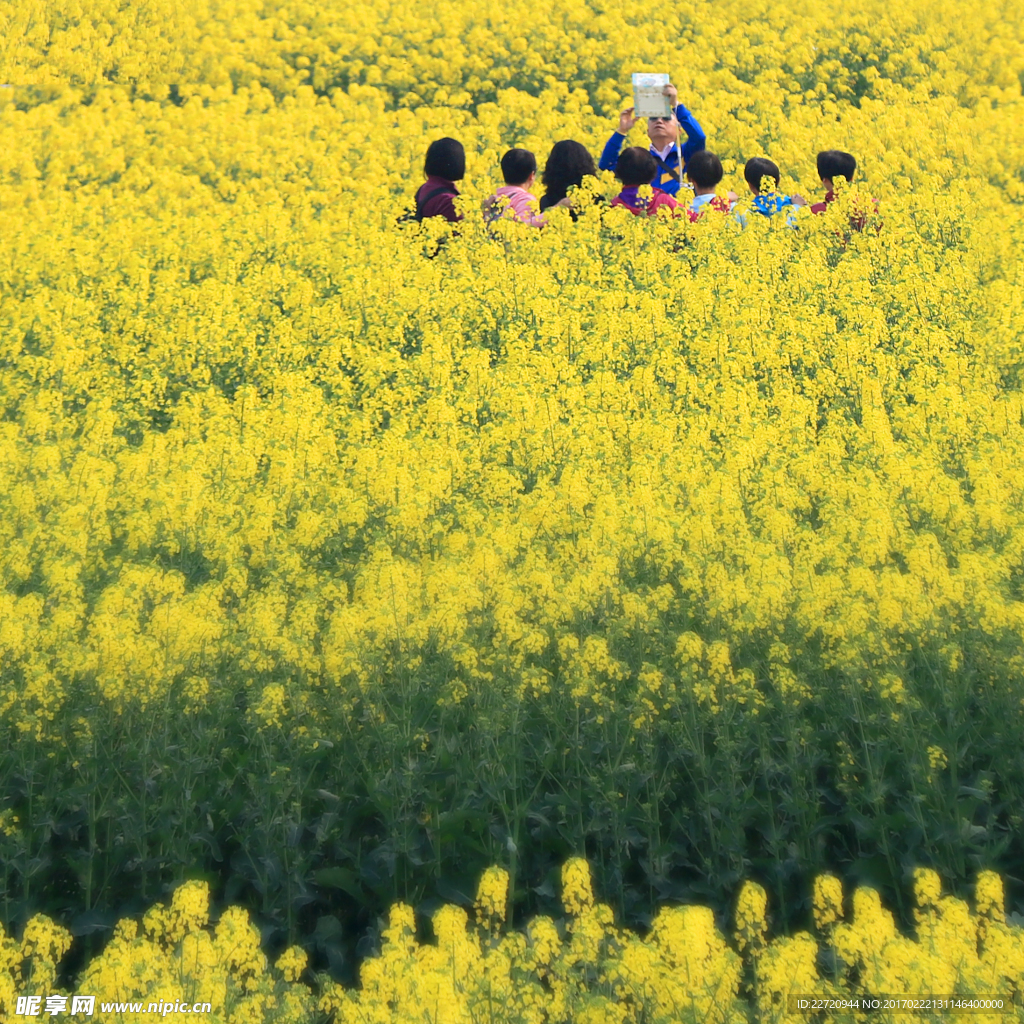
{"points": [[587, 970], [336, 574]]}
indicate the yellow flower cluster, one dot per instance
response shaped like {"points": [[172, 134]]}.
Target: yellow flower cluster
{"points": [[828, 901], [175, 957], [751, 918], [492, 898], [684, 970], [582, 969]]}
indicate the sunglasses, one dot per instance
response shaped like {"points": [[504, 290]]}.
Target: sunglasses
{"points": [[655, 120]]}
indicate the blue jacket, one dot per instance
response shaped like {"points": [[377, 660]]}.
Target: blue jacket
{"points": [[695, 140], [770, 203]]}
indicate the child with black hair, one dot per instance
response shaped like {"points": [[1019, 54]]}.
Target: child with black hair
{"points": [[762, 177], [635, 167], [514, 199], [444, 165], [832, 164], [705, 173], [569, 164]]}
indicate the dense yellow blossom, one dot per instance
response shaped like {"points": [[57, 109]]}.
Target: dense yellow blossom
{"points": [[201, 402], [176, 956], [700, 508], [955, 952], [683, 971], [751, 922], [828, 901], [577, 893], [492, 897]]}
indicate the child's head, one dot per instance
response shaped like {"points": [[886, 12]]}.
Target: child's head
{"points": [[636, 166], [834, 163], [445, 159], [518, 166], [568, 164], [704, 169], [758, 168]]}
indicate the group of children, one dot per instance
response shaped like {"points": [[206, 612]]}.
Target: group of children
{"points": [[664, 166]]}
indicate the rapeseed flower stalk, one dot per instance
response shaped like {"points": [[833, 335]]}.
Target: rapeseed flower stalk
{"points": [[577, 893], [492, 898], [751, 921], [827, 901]]}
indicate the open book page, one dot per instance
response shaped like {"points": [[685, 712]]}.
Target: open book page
{"points": [[648, 98]]}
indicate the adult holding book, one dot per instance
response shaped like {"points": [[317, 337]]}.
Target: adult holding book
{"points": [[664, 135]]}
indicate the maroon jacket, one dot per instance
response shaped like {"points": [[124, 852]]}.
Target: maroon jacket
{"points": [[858, 221], [823, 205], [442, 204]]}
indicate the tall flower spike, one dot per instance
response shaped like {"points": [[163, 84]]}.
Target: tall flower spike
{"points": [[990, 900], [577, 892], [492, 898], [927, 891], [189, 910], [828, 901], [292, 962], [751, 918]]}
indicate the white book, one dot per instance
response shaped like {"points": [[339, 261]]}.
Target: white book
{"points": [[648, 98]]}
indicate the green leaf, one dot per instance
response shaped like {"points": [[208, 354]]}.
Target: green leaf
{"points": [[339, 878]]}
